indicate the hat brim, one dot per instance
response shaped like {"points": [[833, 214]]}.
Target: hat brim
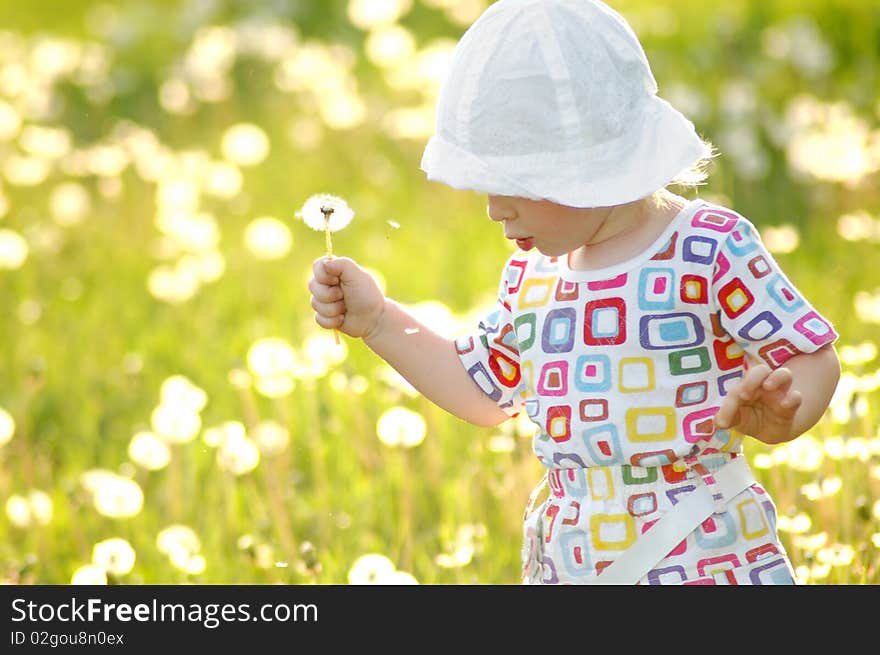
{"points": [[650, 154]]}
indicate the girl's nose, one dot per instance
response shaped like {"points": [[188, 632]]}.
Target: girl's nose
{"points": [[497, 209]]}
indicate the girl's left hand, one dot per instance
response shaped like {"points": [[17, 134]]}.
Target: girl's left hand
{"points": [[763, 405]]}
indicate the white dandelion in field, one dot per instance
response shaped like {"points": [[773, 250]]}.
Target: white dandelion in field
{"points": [[114, 555], [13, 249], [7, 427], [370, 14], [178, 536], [180, 390], [113, 495], [189, 564], [18, 511], [267, 238], [175, 423], [272, 360], [823, 489], [810, 542], [467, 541], [238, 456], [182, 546], [805, 453], [89, 574], [377, 569], [781, 238], [148, 451], [216, 435], [836, 555], [399, 426], [271, 437], [800, 523], [319, 353], [69, 203], [245, 144], [42, 508]]}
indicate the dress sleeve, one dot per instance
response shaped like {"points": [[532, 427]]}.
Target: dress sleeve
{"points": [[758, 305], [490, 355]]}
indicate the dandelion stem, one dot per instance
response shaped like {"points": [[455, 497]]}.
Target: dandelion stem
{"points": [[328, 211]]}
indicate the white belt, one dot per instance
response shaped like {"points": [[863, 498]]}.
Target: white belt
{"points": [[683, 518]]}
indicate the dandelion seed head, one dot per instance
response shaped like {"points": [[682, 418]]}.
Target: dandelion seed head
{"points": [[371, 568], [179, 391], [798, 524], [238, 456], [10, 121], [810, 542], [7, 427], [89, 574], [388, 46], [271, 356], [171, 285], [367, 14], [118, 497], [323, 210], [178, 537], [175, 423], [805, 453], [13, 249], [18, 511], [401, 578], [399, 426], [69, 203], [501, 443], [271, 437], [42, 508], [245, 144], [191, 564], [227, 431], [781, 239], [149, 451], [267, 238], [114, 555]]}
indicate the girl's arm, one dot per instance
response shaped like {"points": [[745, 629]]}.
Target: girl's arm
{"points": [[346, 297], [430, 363], [779, 405]]}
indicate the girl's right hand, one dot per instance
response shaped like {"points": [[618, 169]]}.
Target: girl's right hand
{"points": [[345, 297]]}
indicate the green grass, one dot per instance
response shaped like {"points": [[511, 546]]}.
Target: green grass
{"points": [[87, 346]]}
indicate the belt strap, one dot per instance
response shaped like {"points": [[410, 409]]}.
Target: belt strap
{"points": [[684, 517]]}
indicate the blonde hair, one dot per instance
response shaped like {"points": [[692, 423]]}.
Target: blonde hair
{"points": [[698, 172]]}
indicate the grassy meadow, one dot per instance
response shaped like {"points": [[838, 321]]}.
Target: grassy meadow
{"points": [[170, 412]]}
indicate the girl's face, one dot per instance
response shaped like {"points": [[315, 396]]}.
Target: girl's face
{"points": [[553, 229]]}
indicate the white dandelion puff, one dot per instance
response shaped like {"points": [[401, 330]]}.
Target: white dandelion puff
{"points": [[371, 568], [114, 555], [89, 574], [325, 212], [399, 426], [7, 426]]}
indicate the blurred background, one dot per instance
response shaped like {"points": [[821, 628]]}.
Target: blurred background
{"points": [[169, 411]]}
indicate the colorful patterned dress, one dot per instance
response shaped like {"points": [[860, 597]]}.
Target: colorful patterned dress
{"points": [[622, 370]]}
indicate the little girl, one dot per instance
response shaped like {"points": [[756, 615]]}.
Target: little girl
{"points": [[642, 333]]}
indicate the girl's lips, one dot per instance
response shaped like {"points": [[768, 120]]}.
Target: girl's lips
{"points": [[525, 244]]}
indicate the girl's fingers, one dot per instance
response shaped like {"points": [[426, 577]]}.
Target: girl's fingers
{"points": [[328, 309], [324, 292], [329, 322], [727, 411], [751, 381], [791, 401], [778, 380], [321, 274]]}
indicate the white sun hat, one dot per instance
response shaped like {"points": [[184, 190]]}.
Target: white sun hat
{"points": [[555, 99]]}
